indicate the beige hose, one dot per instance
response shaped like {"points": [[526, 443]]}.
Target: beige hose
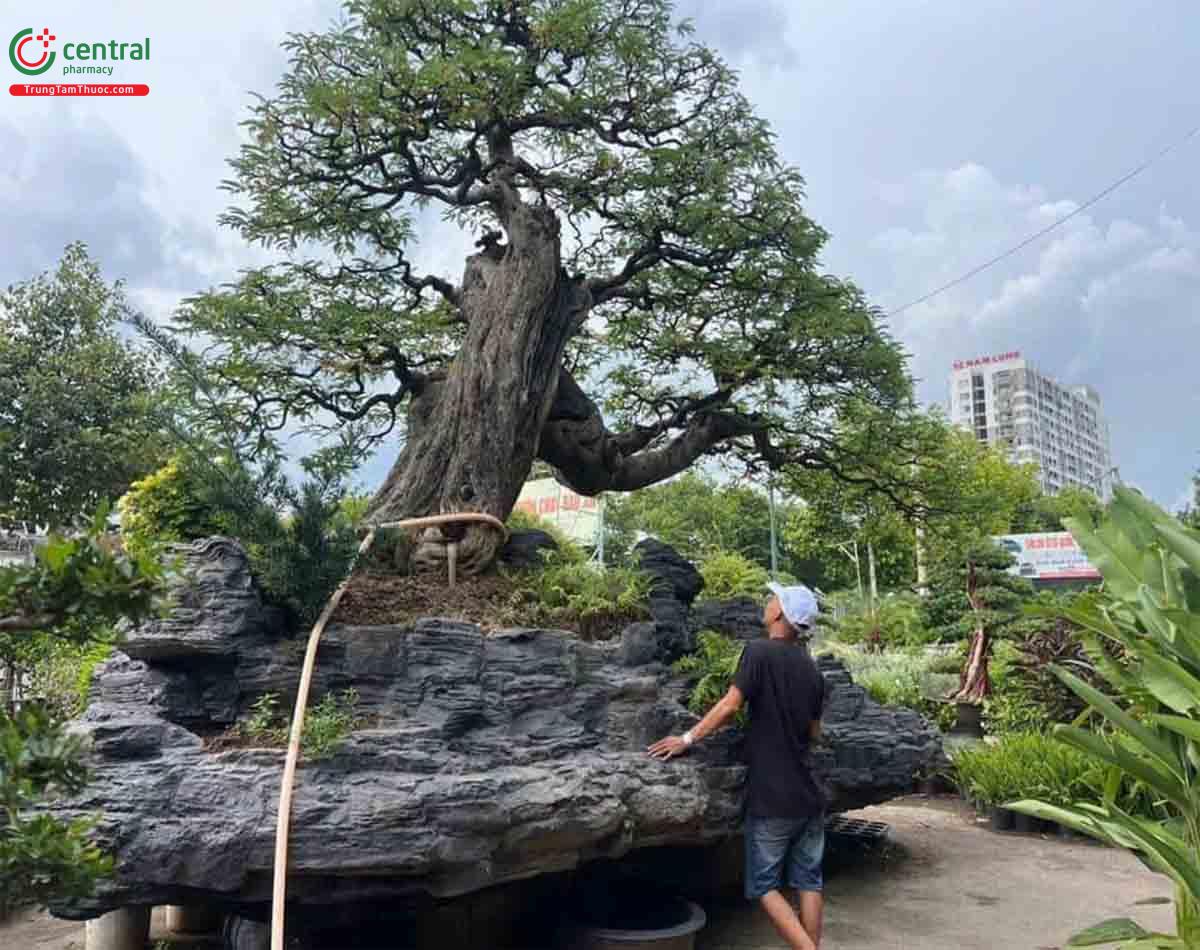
{"points": [[310, 657]]}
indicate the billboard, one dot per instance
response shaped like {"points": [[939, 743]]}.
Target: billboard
{"points": [[575, 515], [1047, 556]]}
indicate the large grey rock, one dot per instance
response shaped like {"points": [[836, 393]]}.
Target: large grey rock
{"points": [[527, 549], [671, 573], [674, 584], [740, 617], [486, 759]]}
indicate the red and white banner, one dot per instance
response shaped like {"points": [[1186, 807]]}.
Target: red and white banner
{"points": [[1047, 556]]}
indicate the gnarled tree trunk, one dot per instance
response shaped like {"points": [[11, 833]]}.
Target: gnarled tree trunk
{"points": [[974, 684], [473, 431]]}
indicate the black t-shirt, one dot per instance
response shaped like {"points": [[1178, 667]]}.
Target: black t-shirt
{"points": [[786, 693]]}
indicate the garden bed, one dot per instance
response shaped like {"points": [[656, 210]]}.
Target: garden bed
{"points": [[492, 601], [374, 598]]}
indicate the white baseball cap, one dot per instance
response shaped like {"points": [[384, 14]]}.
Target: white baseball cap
{"points": [[798, 602]]}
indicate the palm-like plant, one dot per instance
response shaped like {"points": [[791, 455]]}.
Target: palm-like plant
{"points": [[1149, 715]]}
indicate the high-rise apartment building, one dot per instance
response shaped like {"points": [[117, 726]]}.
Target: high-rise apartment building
{"points": [[1007, 402]]}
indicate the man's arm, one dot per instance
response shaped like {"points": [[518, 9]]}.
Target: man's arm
{"points": [[814, 731], [723, 710]]}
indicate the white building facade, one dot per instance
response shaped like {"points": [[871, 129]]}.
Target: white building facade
{"points": [[1008, 403]]}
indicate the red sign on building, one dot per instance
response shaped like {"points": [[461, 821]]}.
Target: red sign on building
{"points": [[988, 360]]}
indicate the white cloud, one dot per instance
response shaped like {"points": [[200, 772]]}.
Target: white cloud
{"points": [[1110, 302]]}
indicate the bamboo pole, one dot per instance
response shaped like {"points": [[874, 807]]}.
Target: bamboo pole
{"points": [[283, 818]]}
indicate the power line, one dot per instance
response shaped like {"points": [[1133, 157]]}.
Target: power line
{"points": [[1050, 227]]}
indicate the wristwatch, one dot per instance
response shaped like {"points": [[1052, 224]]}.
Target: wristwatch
{"points": [[688, 738]]}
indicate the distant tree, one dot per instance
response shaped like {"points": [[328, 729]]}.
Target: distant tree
{"points": [[945, 482], [1046, 512], [698, 515], [77, 401], [1191, 514]]}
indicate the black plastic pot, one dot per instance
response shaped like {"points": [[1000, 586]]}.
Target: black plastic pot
{"points": [[1002, 819], [1026, 824], [1069, 834], [970, 720]]}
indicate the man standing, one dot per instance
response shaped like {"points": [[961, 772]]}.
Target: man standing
{"points": [[785, 806]]}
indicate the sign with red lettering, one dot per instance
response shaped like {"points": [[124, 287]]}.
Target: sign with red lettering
{"points": [[1047, 556], [578, 517], [987, 360]]}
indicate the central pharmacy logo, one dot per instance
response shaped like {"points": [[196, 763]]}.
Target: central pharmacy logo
{"points": [[25, 48]]}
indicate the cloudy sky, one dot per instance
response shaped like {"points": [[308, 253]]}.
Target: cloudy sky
{"points": [[933, 134]]}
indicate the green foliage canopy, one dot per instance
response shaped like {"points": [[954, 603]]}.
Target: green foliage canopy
{"points": [[679, 224], [78, 420]]}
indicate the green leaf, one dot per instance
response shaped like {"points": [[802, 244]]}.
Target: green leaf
{"points": [[1188, 728], [1170, 684], [1155, 746], [1114, 555], [1157, 777], [1182, 542], [1110, 931]]}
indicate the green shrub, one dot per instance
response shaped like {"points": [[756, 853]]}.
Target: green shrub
{"points": [[1024, 766], [326, 723], [42, 857], [948, 660], [167, 505], [264, 722], [714, 665], [297, 557], [1011, 709], [728, 574], [62, 677], [901, 678], [597, 599], [897, 621], [1026, 696]]}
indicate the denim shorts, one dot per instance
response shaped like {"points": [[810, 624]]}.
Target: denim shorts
{"points": [[776, 845]]}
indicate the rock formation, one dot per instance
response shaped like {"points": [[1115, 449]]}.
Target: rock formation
{"points": [[484, 758]]}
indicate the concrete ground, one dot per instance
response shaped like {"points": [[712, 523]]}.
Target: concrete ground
{"points": [[947, 884], [951, 884]]}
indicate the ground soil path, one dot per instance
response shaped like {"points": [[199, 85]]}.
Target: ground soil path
{"points": [[948, 884], [953, 885]]}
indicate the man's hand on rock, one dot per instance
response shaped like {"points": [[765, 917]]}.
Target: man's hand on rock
{"points": [[668, 748]]}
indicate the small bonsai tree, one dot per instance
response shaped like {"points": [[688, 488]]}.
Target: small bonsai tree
{"points": [[976, 598]]}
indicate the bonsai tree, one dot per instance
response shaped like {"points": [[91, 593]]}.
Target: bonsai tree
{"points": [[976, 598], [640, 246]]}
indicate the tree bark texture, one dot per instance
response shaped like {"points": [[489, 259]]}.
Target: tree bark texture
{"points": [[473, 432], [974, 684]]}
